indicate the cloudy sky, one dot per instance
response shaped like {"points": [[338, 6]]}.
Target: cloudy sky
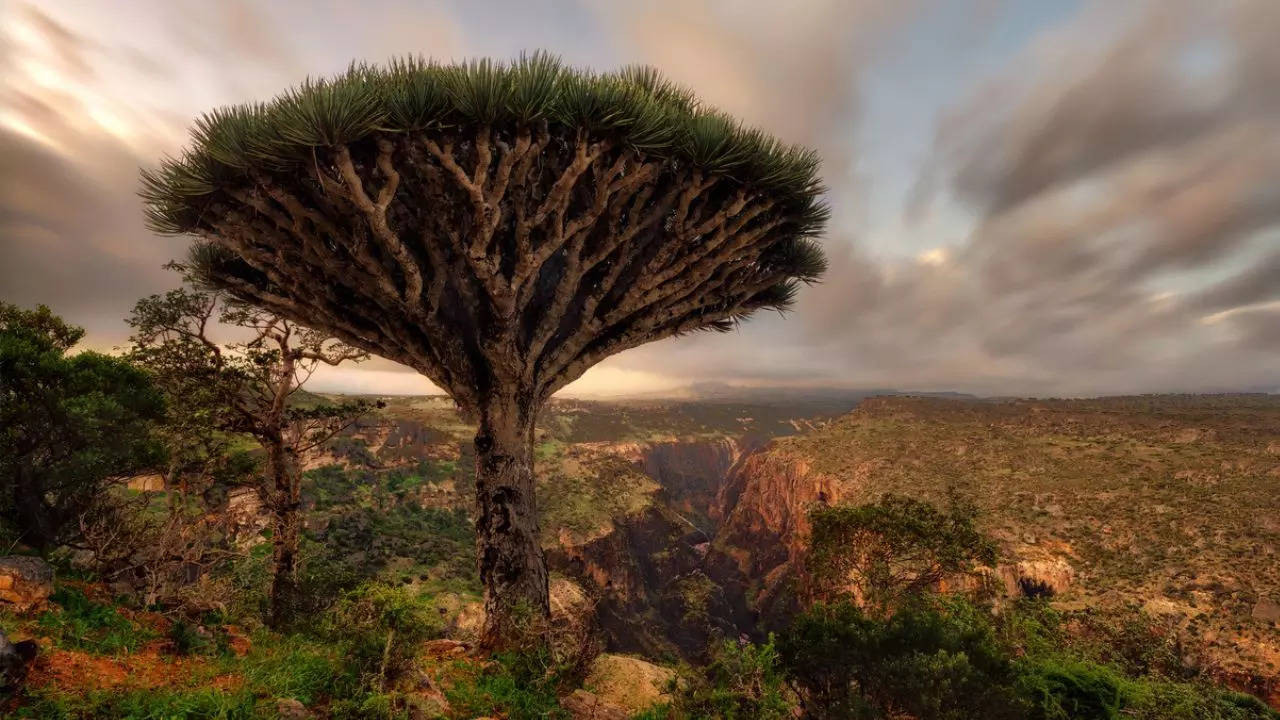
{"points": [[1051, 197]]}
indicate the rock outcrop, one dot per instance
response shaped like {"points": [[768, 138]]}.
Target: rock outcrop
{"points": [[764, 507], [25, 583], [1266, 610], [1036, 578], [628, 683], [245, 516]]}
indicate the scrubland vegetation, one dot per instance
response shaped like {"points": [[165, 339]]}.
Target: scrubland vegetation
{"points": [[161, 607]]}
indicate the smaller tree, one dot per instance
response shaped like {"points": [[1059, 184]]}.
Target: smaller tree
{"points": [[932, 659], [882, 553], [70, 425], [250, 386]]}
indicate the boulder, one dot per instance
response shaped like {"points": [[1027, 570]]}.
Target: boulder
{"points": [[291, 709], [629, 683], [1267, 610], [14, 660], [583, 705], [25, 583]]}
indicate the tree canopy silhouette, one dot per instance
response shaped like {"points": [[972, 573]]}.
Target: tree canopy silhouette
{"points": [[499, 227]]}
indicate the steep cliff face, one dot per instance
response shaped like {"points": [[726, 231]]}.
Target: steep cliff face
{"points": [[646, 576], [692, 474], [646, 565], [762, 510]]}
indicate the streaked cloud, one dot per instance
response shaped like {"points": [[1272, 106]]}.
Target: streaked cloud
{"points": [[1096, 205]]}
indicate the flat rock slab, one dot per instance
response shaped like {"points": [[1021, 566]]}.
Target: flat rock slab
{"points": [[26, 583]]}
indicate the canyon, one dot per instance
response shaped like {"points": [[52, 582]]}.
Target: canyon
{"points": [[684, 522]]}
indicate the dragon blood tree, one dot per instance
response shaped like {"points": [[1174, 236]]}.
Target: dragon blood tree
{"points": [[500, 228]]}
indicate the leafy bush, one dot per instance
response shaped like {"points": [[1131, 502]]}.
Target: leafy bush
{"points": [[380, 629], [87, 625], [1063, 689], [887, 552], [1155, 700], [519, 686], [931, 660], [743, 682]]}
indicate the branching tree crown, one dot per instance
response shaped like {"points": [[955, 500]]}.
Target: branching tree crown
{"points": [[495, 224]]}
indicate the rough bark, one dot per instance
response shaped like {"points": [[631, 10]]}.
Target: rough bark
{"points": [[513, 569], [286, 524], [32, 516]]}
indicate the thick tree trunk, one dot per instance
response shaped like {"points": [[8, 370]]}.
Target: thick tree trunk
{"points": [[34, 519], [286, 525], [513, 569]]}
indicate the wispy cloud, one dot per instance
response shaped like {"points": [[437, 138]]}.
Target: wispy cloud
{"points": [[1102, 214]]}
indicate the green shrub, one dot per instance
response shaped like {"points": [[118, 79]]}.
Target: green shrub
{"points": [[932, 660], [892, 550], [743, 682], [87, 625], [380, 629], [519, 686], [250, 575], [1148, 699], [1064, 689]]}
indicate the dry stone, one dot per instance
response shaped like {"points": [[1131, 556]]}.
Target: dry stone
{"points": [[25, 583], [1267, 610], [629, 683], [583, 705]]}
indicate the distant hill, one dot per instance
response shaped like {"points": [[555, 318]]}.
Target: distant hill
{"points": [[712, 391]]}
